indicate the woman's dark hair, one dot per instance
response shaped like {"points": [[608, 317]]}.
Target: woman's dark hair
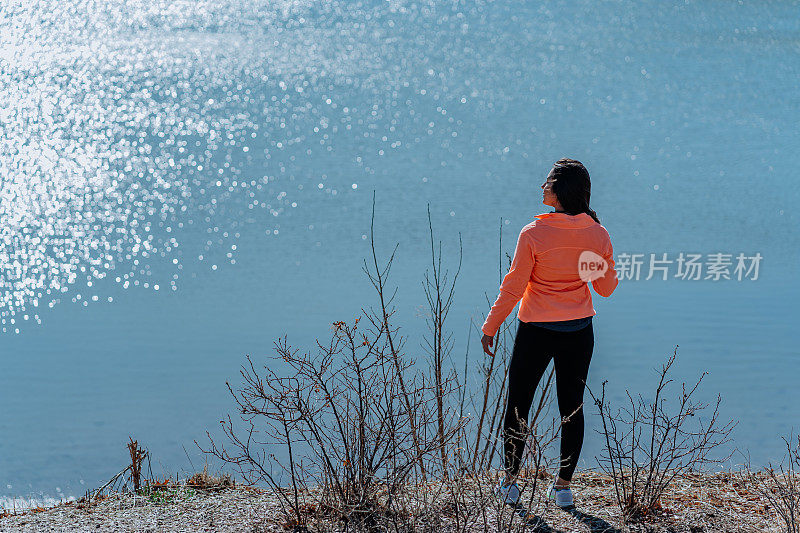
{"points": [[572, 187]]}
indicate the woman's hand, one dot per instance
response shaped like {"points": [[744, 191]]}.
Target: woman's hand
{"points": [[487, 343]]}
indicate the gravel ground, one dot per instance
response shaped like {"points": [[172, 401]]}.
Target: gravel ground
{"points": [[694, 503], [181, 509]]}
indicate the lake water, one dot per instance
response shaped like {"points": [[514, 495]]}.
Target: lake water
{"points": [[184, 183]]}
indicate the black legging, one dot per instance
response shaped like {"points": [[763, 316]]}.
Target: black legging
{"points": [[534, 346]]}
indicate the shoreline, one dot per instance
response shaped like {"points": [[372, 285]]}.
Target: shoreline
{"points": [[695, 502]]}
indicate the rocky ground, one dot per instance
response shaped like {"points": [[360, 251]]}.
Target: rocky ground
{"points": [[693, 503]]}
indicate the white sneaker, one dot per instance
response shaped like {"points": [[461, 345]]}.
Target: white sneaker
{"points": [[508, 494], [562, 497]]}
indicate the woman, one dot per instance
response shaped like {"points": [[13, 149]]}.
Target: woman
{"points": [[557, 255]]}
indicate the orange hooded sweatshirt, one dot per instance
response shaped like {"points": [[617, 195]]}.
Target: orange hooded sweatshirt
{"points": [[556, 258]]}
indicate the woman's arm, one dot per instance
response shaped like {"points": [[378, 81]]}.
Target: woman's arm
{"points": [[605, 285], [513, 286]]}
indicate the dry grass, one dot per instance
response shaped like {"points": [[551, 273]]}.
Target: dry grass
{"points": [[210, 482]]}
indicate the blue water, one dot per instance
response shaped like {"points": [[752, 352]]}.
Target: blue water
{"points": [[183, 184]]}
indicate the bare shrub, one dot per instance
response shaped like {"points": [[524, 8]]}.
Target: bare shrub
{"points": [[439, 346], [779, 486], [365, 417], [345, 406], [137, 456], [477, 444], [372, 438], [493, 393], [649, 443]]}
